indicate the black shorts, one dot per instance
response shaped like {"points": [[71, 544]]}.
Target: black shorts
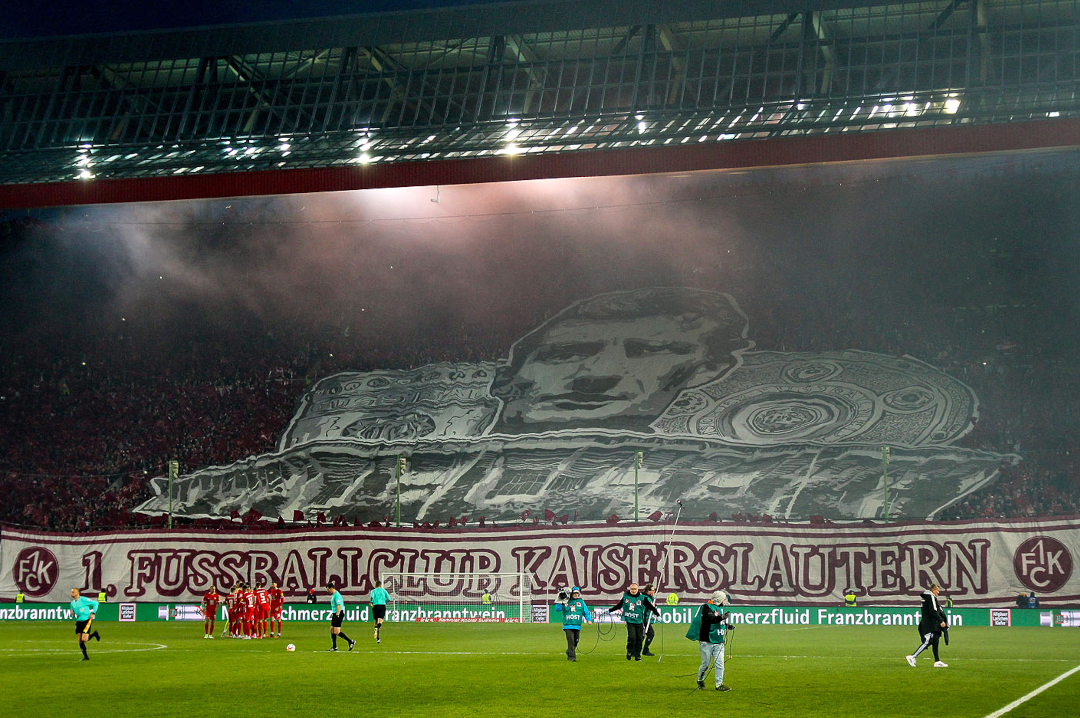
{"points": [[337, 619], [378, 611], [80, 626]]}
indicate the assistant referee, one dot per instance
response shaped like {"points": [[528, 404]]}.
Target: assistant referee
{"points": [[84, 610], [378, 599], [337, 617]]}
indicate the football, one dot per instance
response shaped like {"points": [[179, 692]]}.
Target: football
{"points": [[290, 648]]}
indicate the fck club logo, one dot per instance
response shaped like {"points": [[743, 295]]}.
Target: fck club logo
{"points": [[1042, 564], [36, 571]]}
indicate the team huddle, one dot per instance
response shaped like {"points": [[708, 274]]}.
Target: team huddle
{"points": [[251, 611]]}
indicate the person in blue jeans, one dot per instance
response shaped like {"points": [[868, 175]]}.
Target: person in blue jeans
{"points": [[707, 628]]}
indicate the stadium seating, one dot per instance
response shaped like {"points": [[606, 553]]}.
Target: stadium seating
{"points": [[85, 422]]}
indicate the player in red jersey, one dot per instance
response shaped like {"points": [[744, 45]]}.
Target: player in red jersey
{"points": [[277, 600], [209, 608], [239, 608], [262, 608], [250, 603], [234, 612]]}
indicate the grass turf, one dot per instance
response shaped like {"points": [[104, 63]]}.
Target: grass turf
{"points": [[166, 669]]}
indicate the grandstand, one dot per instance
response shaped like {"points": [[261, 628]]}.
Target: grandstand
{"points": [[974, 100]]}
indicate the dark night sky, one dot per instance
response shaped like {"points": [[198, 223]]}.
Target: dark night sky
{"points": [[72, 17]]}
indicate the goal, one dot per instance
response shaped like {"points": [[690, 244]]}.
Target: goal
{"points": [[460, 597]]}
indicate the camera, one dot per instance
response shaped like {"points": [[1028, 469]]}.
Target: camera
{"points": [[563, 595]]}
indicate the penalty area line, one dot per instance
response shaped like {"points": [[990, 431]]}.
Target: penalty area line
{"points": [[1029, 696]]}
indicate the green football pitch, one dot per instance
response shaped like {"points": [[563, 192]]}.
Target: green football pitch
{"points": [[500, 671]]}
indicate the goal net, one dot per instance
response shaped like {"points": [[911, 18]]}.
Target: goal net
{"points": [[459, 597]]}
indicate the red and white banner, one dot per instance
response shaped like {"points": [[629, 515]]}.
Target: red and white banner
{"points": [[975, 563]]}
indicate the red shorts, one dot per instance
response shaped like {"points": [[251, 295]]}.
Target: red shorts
{"points": [[210, 613], [275, 612], [250, 615], [264, 611]]}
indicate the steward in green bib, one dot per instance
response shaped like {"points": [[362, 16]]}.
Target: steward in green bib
{"points": [[633, 605], [707, 629], [850, 599]]}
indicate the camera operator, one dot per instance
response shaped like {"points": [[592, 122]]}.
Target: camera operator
{"points": [[634, 606], [707, 629], [575, 612]]}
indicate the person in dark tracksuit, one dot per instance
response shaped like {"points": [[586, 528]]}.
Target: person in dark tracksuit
{"points": [[932, 624], [650, 632], [574, 612], [634, 606]]}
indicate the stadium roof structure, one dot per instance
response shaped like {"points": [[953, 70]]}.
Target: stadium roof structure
{"points": [[450, 94]]}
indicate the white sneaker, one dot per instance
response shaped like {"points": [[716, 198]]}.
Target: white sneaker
{"points": [[910, 660], [210, 637], [940, 664]]}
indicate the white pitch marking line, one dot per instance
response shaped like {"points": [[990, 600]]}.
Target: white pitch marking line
{"points": [[152, 647], [446, 653], [378, 651], [1029, 696]]}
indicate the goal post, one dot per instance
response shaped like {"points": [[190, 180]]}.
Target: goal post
{"points": [[460, 597]]}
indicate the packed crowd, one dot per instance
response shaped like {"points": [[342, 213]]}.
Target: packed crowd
{"points": [[83, 430], [85, 422], [1005, 342], [71, 460]]}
